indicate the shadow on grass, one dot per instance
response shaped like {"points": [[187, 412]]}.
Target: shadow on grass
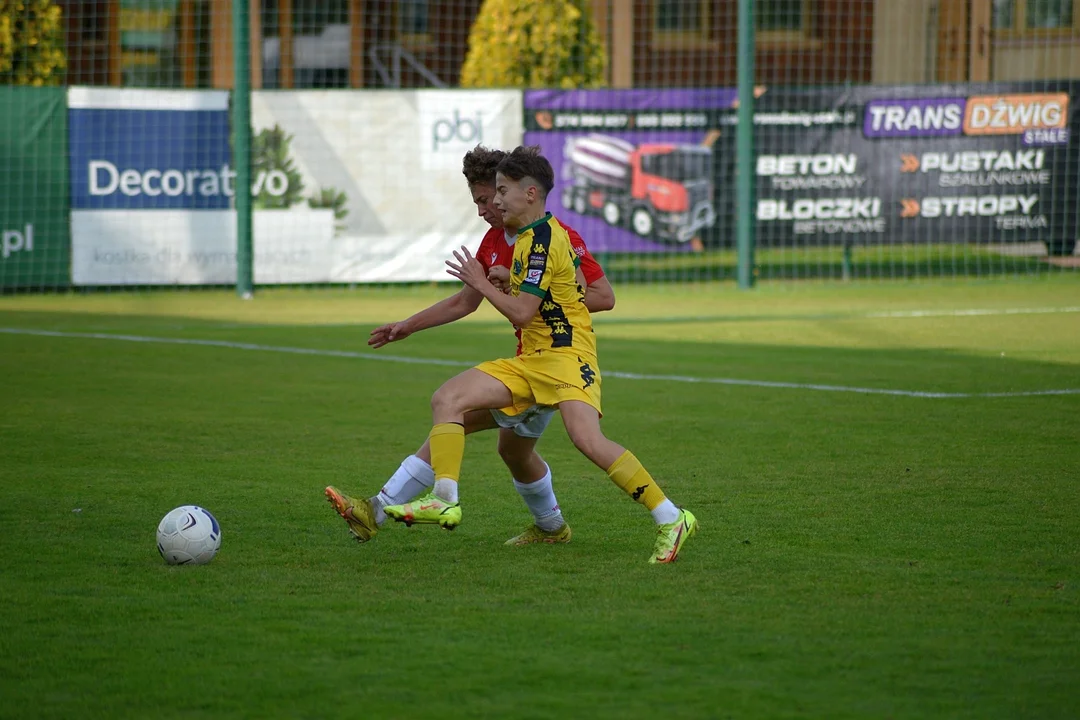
{"points": [[451, 348]]}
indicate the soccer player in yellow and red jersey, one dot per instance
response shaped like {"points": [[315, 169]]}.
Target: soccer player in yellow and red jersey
{"points": [[519, 432], [557, 365]]}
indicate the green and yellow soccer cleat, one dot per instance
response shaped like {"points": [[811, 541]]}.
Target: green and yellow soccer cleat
{"points": [[671, 537], [534, 534], [359, 514], [428, 509]]}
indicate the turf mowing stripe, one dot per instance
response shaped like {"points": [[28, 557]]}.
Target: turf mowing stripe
{"points": [[606, 319], [457, 363], [880, 315]]}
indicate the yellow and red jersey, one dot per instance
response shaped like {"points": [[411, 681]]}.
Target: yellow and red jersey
{"points": [[544, 265], [497, 250]]}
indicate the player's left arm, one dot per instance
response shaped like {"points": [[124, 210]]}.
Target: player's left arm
{"points": [[518, 309], [599, 295]]}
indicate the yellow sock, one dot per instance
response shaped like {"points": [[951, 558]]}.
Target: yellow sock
{"points": [[635, 481], [447, 450]]}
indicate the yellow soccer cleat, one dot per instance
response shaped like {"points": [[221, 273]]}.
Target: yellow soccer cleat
{"points": [[535, 534], [428, 509], [359, 514], [671, 537]]}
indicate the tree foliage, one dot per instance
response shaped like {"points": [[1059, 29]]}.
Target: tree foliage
{"points": [[534, 44], [31, 43], [271, 149], [333, 199]]}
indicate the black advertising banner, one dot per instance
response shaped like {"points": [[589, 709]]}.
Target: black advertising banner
{"points": [[946, 163], [991, 163]]}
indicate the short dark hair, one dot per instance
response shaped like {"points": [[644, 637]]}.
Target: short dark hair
{"points": [[479, 164], [526, 161]]}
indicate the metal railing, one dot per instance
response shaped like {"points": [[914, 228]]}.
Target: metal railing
{"points": [[397, 57]]}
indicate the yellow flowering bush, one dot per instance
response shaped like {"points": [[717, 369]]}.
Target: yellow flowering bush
{"points": [[534, 44], [31, 43]]}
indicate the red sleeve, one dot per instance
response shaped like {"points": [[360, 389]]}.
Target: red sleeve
{"points": [[589, 267], [487, 248]]}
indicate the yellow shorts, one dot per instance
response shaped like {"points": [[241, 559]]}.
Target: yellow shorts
{"points": [[546, 377]]}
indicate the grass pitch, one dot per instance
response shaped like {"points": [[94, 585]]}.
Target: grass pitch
{"points": [[888, 521]]}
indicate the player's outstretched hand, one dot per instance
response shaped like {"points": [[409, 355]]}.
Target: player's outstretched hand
{"points": [[467, 269], [387, 334], [500, 277]]}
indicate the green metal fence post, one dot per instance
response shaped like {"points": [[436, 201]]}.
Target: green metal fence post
{"points": [[744, 148], [241, 120]]}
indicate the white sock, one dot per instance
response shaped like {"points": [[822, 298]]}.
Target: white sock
{"points": [[412, 477], [446, 489], [665, 512], [539, 496]]}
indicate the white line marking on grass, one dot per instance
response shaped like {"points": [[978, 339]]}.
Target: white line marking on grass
{"points": [[461, 363], [238, 346], [970, 313]]}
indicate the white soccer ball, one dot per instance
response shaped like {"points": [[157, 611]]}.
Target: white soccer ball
{"points": [[188, 535]]}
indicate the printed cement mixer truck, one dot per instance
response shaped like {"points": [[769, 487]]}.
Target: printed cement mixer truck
{"points": [[661, 191]]}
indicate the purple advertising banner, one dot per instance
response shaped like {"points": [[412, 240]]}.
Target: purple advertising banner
{"points": [[635, 170], [622, 191], [629, 100]]}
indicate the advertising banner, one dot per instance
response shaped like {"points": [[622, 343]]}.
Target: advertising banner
{"points": [[883, 164], [151, 191], [635, 170], [34, 238], [920, 164], [387, 166]]}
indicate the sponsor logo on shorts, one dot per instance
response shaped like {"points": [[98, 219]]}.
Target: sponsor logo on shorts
{"points": [[588, 375]]}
